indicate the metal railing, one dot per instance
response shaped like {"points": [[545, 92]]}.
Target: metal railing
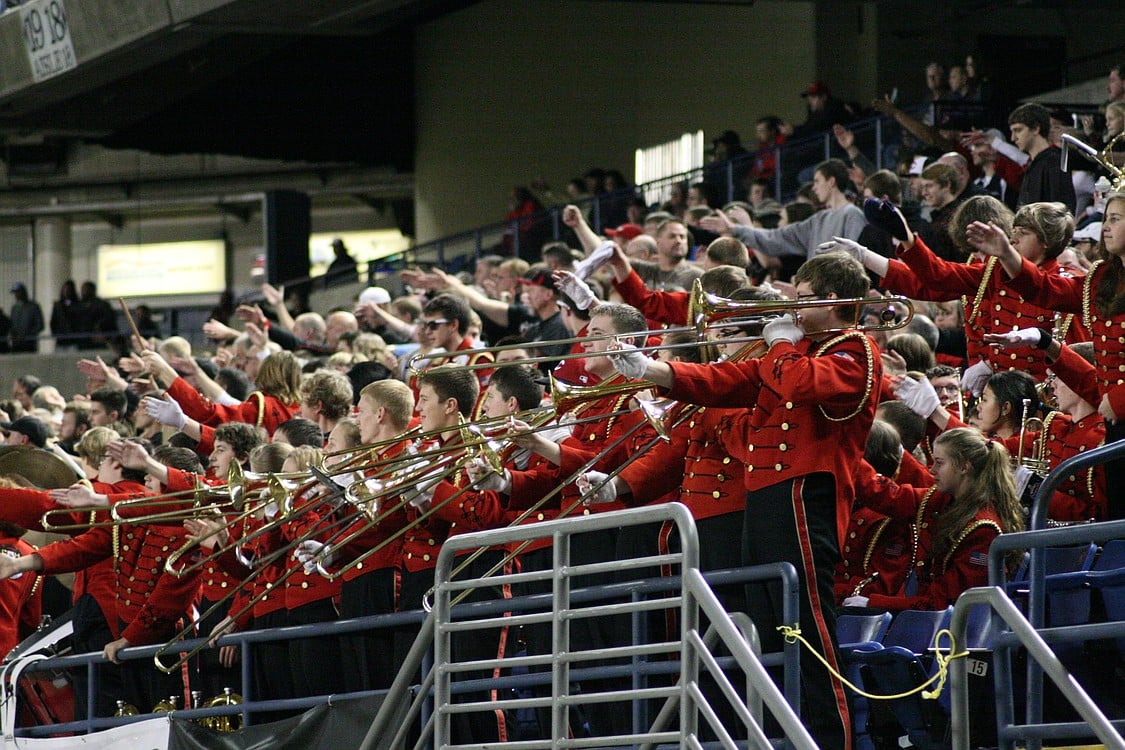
{"points": [[1023, 634], [1037, 540], [685, 658]]}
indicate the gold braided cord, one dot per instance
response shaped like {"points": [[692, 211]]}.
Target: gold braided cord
{"points": [[1087, 295], [985, 278], [869, 383], [964, 535]]}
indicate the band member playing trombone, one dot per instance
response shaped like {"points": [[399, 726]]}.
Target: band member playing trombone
{"points": [[149, 601], [814, 395]]}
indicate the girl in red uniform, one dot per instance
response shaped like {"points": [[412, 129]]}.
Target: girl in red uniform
{"points": [[972, 501], [1100, 299]]}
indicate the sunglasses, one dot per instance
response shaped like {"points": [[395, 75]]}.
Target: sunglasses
{"points": [[433, 325]]}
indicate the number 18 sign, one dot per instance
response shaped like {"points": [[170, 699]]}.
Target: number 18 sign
{"points": [[46, 34]]}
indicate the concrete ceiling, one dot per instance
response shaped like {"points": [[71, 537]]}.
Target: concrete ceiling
{"points": [[315, 80]]}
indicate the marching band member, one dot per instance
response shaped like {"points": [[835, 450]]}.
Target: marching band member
{"points": [[1099, 300], [812, 386], [972, 501]]}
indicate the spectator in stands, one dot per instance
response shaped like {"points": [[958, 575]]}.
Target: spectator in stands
{"points": [[885, 185], [671, 268], [768, 129], [107, 407], [677, 200], [725, 251], [959, 88], [841, 218], [298, 431], [336, 324], [939, 186], [375, 311], [824, 111], [989, 182], [724, 148], [342, 269], [65, 314], [935, 82], [146, 323], [1043, 181], [25, 431], [542, 300], [23, 387], [95, 317], [1115, 86], [27, 321]]}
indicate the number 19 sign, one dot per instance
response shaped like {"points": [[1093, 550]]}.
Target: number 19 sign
{"points": [[46, 34]]}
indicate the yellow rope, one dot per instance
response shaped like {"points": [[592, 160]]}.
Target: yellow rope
{"points": [[793, 635]]}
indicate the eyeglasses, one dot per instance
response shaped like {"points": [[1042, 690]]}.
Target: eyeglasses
{"points": [[433, 325]]}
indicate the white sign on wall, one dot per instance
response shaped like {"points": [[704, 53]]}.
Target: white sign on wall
{"points": [[46, 34]]}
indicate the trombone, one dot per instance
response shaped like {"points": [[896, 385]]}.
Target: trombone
{"points": [[709, 312], [406, 500]]}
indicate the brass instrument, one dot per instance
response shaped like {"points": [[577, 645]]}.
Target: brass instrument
{"points": [[407, 481], [231, 723], [166, 706], [41, 468], [1036, 458], [707, 312], [126, 709], [1103, 157]]}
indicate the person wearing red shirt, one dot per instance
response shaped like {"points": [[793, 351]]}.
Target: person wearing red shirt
{"points": [[814, 387], [1040, 232], [1099, 299], [275, 401], [973, 500]]}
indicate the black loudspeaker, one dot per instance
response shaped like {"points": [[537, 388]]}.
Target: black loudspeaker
{"points": [[285, 214]]}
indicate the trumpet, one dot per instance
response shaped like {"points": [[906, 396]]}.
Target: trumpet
{"points": [[1036, 458]]}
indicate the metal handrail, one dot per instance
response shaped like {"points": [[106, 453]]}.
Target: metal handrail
{"points": [[1039, 652], [1036, 540]]}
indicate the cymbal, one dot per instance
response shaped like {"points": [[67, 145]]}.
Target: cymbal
{"points": [[40, 467]]}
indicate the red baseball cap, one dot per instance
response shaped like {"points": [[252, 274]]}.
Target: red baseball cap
{"points": [[628, 231]]}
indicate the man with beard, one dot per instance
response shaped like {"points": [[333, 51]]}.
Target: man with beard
{"points": [[670, 270]]}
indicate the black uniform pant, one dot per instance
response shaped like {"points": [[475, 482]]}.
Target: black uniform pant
{"points": [[209, 675], [92, 633], [368, 661], [794, 521], [312, 660], [1115, 473]]}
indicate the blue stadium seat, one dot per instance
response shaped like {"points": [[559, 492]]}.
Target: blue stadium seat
{"points": [[852, 629]]}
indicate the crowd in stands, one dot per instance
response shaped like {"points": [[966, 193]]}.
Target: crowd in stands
{"points": [[806, 434]]}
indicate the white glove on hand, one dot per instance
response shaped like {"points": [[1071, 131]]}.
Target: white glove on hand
{"points": [[844, 245], [425, 488], [976, 377], [919, 395], [629, 362], [578, 290], [165, 412], [782, 328], [856, 601], [584, 268], [312, 554], [485, 478], [597, 487], [1021, 337]]}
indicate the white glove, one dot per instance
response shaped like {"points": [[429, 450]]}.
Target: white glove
{"points": [[425, 488], [782, 328], [311, 554], [485, 478], [592, 262], [976, 377], [856, 601], [165, 412], [1021, 337], [629, 362], [578, 290], [597, 487], [919, 395], [844, 245]]}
